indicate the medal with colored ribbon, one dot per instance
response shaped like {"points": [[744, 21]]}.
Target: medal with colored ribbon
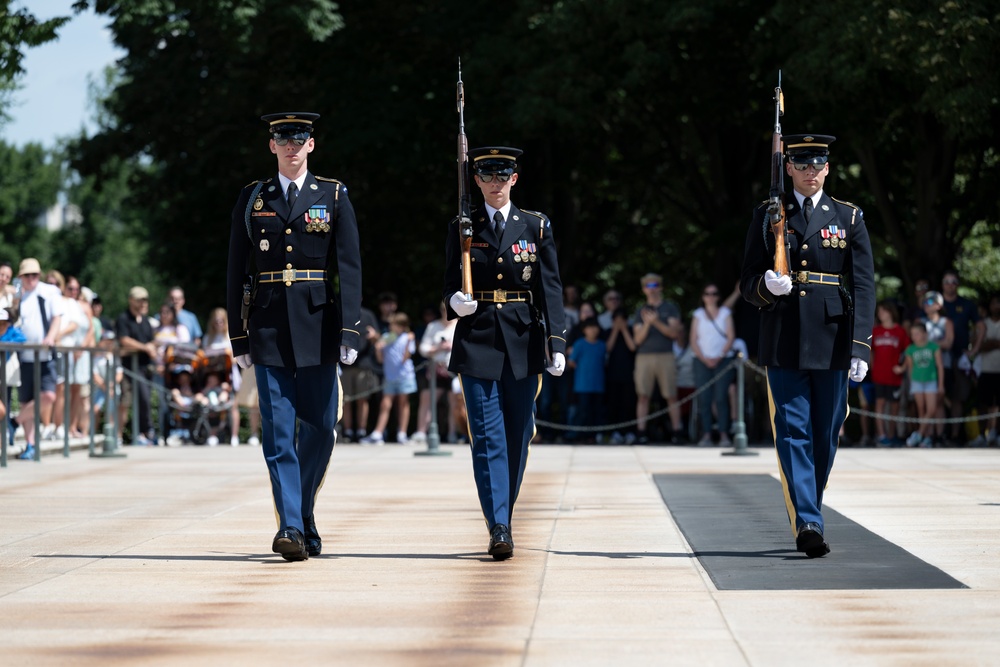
{"points": [[317, 219]]}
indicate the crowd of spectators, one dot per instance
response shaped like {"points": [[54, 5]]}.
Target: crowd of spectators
{"points": [[934, 357], [67, 319]]}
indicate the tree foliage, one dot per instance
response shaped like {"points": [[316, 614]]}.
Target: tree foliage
{"points": [[645, 124]]}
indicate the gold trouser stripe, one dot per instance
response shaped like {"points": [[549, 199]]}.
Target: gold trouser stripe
{"points": [[340, 413], [781, 472]]}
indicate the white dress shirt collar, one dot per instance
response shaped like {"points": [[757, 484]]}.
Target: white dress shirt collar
{"points": [[284, 180], [801, 198], [505, 211]]}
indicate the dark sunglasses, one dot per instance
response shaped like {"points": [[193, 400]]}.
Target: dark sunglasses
{"points": [[284, 141], [802, 167], [488, 178], [652, 285]]}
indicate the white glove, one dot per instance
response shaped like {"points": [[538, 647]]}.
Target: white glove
{"points": [[348, 355], [244, 361], [859, 369], [558, 364], [463, 304], [777, 285]]}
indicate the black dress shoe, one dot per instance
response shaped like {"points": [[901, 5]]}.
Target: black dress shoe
{"points": [[290, 544], [810, 541], [501, 543], [314, 543]]}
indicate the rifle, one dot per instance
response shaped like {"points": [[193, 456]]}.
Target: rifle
{"points": [[464, 198], [776, 200]]}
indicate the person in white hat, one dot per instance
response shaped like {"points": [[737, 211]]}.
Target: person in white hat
{"points": [[41, 316]]}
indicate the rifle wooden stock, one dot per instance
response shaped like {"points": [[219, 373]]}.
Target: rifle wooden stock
{"points": [[776, 210], [464, 198], [776, 200]]}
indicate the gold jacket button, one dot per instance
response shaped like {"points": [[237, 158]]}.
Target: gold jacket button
{"points": [[802, 293], [805, 246], [499, 260], [499, 305], [499, 276], [805, 263], [288, 266], [288, 231], [288, 283], [288, 248]]}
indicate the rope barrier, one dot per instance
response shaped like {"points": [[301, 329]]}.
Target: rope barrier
{"points": [[652, 416], [896, 418]]}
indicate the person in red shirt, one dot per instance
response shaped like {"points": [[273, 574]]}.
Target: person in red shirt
{"points": [[889, 340]]}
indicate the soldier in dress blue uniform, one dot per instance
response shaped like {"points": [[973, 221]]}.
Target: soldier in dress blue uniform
{"points": [[510, 325], [815, 330], [288, 233]]}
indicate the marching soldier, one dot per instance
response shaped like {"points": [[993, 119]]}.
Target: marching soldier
{"points": [[501, 344], [816, 327], [288, 232]]}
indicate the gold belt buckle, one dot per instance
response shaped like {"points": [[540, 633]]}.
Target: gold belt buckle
{"points": [[802, 277], [288, 275], [499, 296]]}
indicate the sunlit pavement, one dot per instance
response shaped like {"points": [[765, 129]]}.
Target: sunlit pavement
{"points": [[163, 558]]}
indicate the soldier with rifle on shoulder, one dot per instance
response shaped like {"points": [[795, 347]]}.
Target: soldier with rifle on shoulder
{"points": [[808, 267], [502, 281]]}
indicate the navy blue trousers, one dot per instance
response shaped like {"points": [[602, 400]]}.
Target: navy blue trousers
{"points": [[297, 463], [502, 424], [807, 410]]}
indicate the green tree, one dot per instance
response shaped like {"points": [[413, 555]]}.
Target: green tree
{"points": [[645, 124], [913, 92], [30, 178]]}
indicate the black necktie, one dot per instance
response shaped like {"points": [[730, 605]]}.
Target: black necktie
{"points": [[807, 208], [498, 224], [293, 194]]}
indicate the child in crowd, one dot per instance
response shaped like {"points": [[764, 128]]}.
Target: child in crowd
{"points": [[395, 349], [183, 393], [988, 335], [926, 370], [9, 334], [215, 392], [889, 341], [587, 356]]}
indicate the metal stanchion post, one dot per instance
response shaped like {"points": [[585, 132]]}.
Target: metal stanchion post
{"points": [[740, 428], [110, 447], [5, 430], [90, 403], [67, 382], [135, 397], [37, 377], [433, 437]]}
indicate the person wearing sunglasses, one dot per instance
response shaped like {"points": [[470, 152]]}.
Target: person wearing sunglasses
{"points": [[500, 345], [288, 234], [816, 327]]}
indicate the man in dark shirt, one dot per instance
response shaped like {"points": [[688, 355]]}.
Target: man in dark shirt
{"points": [[964, 315], [135, 336]]}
